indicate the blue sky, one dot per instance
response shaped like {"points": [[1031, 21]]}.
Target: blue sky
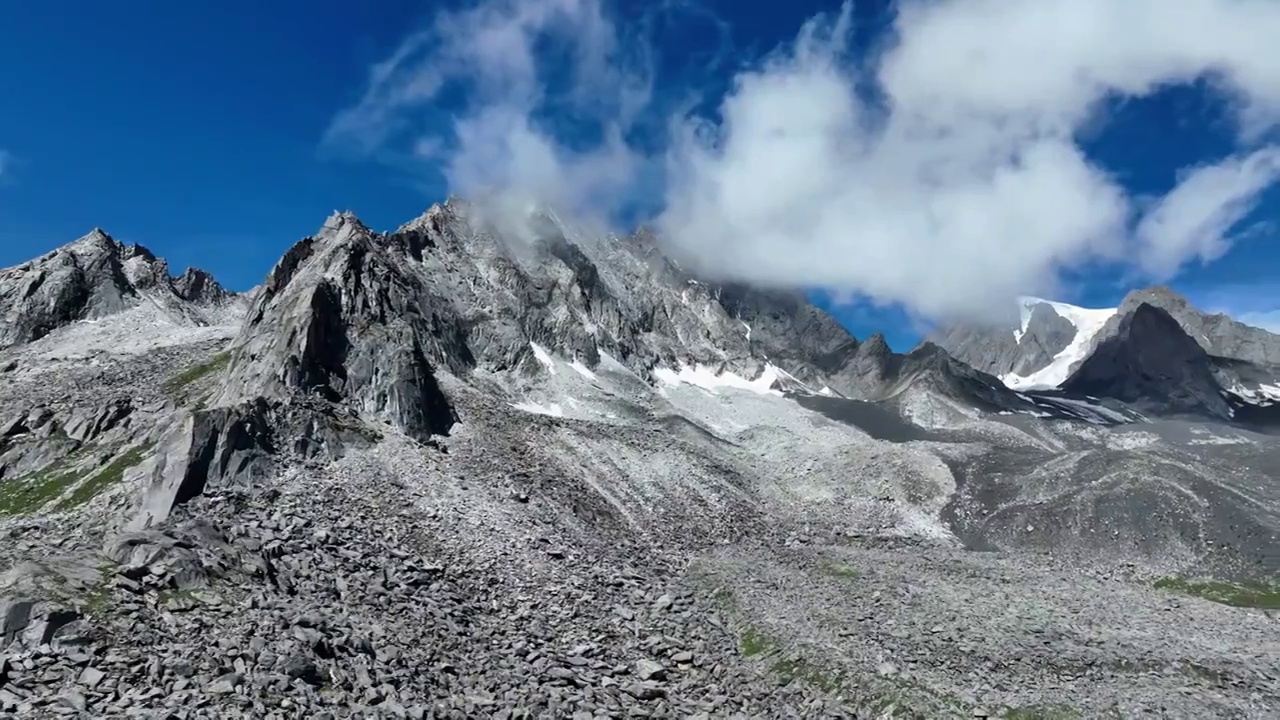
{"points": [[206, 131]]}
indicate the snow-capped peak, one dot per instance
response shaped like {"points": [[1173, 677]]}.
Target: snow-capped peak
{"points": [[1087, 322]]}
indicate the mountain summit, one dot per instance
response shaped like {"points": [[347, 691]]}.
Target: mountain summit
{"points": [[1055, 345], [95, 277]]}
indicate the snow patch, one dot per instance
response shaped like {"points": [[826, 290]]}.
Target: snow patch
{"points": [[748, 327], [1024, 311], [1204, 436], [706, 377], [1095, 414], [1087, 322], [582, 370], [1263, 395], [552, 409], [543, 357]]}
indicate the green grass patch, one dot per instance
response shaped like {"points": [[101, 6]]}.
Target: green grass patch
{"points": [[1250, 595], [839, 569], [25, 495], [173, 594], [753, 643], [100, 596], [900, 696], [217, 363], [103, 479]]}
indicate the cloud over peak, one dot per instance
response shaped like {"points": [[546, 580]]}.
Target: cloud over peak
{"points": [[942, 171]]}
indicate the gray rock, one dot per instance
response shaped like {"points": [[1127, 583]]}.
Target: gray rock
{"points": [[225, 684], [650, 670], [1217, 334], [74, 700], [302, 668], [644, 690], [90, 677]]}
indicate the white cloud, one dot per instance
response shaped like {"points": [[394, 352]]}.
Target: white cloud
{"points": [[496, 146], [1252, 302], [1268, 320], [962, 187], [1193, 220]]}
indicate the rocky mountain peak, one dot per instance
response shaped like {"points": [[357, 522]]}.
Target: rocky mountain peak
{"points": [[875, 345], [1145, 357], [96, 239], [90, 278], [1220, 335], [197, 286], [372, 318], [340, 220], [1156, 294], [340, 318]]}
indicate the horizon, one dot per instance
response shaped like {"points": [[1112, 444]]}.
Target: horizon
{"points": [[221, 159]]}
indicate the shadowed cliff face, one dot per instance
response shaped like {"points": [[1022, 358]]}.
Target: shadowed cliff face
{"points": [[1245, 360], [1145, 358]]}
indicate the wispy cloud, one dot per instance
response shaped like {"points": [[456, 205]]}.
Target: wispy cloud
{"points": [[499, 141], [1269, 320], [1195, 219], [960, 185], [1252, 303]]}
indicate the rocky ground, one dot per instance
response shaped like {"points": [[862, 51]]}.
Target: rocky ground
{"points": [[271, 604], [416, 581]]}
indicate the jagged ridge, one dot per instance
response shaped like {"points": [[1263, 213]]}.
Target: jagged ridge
{"points": [[94, 277]]}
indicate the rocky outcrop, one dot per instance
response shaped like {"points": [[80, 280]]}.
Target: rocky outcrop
{"points": [[84, 280], [237, 446], [371, 319], [41, 601], [793, 334], [92, 278], [343, 319], [198, 286]]}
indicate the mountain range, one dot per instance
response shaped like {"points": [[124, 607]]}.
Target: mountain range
{"points": [[453, 470]]}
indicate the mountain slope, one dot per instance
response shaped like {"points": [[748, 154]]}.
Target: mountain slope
{"points": [[1023, 349], [458, 471]]}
